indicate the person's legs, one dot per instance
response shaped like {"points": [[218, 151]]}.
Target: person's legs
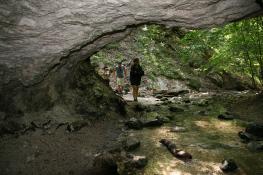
{"points": [[120, 82], [135, 92]]}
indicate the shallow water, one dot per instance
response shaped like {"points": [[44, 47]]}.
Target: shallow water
{"points": [[208, 139]]}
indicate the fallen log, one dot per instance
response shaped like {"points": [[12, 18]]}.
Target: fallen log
{"points": [[180, 154]]}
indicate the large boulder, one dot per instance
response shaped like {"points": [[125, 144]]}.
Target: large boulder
{"points": [[131, 144], [255, 129], [153, 123], [255, 146], [134, 123], [228, 165]]}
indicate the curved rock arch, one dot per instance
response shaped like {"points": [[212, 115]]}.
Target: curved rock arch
{"points": [[39, 38]]}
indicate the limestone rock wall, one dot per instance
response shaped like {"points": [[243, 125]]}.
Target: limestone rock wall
{"points": [[38, 38]]}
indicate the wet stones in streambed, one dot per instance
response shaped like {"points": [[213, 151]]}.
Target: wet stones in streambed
{"points": [[153, 123], [253, 132], [255, 146], [137, 124], [131, 144], [228, 165], [174, 108], [178, 129], [202, 112], [164, 119], [119, 163], [186, 100], [180, 154], [134, 123], [226, 116], [164, 99], [255, 129], [132, 164], [167, 102], [138, 107], [105, 163], [174, 93], [201, 103], [135, 161], [159, 96], [245, 137]]}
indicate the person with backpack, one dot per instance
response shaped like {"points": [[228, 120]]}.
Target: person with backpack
{"points": [[136, 74], [120, 76]]}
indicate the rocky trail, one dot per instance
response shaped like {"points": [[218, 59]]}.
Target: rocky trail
{"points": [[198, 124]]}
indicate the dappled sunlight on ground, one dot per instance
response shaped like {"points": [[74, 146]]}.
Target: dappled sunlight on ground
{"points": [[148, 100], [220, 126], [208, 139]]}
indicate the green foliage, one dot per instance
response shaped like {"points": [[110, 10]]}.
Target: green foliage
{"points": [[157, 57], [236, 48]]}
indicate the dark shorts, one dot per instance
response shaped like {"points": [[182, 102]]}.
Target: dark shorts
{"points": [[135, 81]]}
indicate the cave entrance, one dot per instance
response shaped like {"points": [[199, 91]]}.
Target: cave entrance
{"points": [[179, 60]]}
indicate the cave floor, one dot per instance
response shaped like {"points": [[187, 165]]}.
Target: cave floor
{"points": [[209, 140], [56, 151]]}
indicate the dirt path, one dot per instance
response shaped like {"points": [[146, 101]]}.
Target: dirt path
{"points": [[59, 152]]}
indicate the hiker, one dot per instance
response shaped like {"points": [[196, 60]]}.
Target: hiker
{"points": [[106, 75], [136, 74], [120, 76]]}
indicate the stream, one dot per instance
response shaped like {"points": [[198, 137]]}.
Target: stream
{"points": [[208, 139]]}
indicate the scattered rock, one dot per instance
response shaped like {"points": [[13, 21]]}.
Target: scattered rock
{"points": [[77, 125], [170, 117], [151, 115], [177, 92], [159, 96], [246, 137], [159, 92], [178, 129], [131, 144], [115, 147], [163, 119], [139, 107], [105, 163], [255, 146], [255, 129], [119, 163], [228, 165], [194, 84], [202, 112], [153, 123], [167, 102], [180, 154], [187, 100], [138, 162], [134, 123], [164, 99], [203, 102], [175, 109], [225, 116]]}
